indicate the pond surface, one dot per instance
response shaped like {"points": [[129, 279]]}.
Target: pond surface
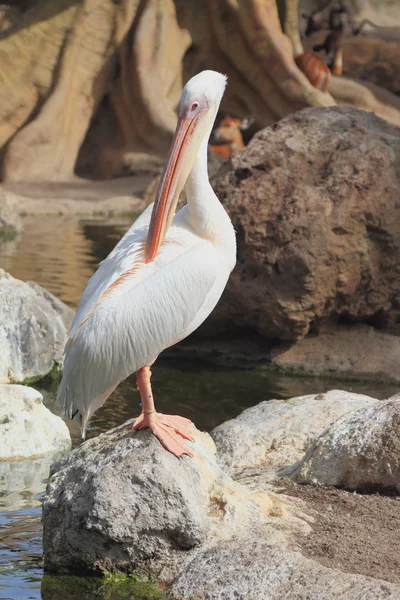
{"points": [[61, 253]]}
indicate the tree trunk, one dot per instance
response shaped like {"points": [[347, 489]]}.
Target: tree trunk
{"points": [[91, 87]]}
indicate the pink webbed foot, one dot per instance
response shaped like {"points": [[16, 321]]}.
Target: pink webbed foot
{"points": [[170, 430]]}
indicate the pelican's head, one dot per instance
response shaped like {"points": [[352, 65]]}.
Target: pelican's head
{"points": [[197, 110], [202, 93]]}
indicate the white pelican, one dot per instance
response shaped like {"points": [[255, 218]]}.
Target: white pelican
{"points": [[159, 283]]}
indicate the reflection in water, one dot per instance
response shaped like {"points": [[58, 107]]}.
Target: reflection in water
{"points": [[21, 482], [209, 396], [21, 568], [8, 245], [88, 588], [61, 254]]}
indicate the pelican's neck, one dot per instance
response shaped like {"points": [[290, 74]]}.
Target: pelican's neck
{"points": [[205, 214]]}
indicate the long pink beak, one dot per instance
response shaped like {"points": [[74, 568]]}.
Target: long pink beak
{"points": [[179, 164]]}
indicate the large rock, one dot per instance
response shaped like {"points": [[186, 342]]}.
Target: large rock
{"points": [[278, 432], [360, 451], [314, 202], [33, 329], [252, 569], [27, 428], [120, 501]]}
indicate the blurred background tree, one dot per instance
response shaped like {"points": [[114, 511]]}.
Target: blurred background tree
{"points": [[90, 87]]}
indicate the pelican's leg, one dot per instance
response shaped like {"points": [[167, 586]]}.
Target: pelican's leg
{"points": [[169, 429]]}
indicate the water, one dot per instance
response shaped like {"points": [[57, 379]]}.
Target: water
{"points": [[61, 253]]}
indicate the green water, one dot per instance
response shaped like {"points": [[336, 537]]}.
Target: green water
{"points": [[61, 254]]}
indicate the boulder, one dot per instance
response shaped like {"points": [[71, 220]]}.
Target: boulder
{"points": [[27, 428], [33, 329], [256, 568], [314, 201], [276, 433], [360, 451], [121, 502]]}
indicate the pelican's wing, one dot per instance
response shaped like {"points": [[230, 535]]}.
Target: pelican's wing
{"points": [[146, 309], [125, 253]]}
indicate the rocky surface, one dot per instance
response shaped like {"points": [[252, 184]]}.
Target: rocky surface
{"points": [[276, 433], [344, 523], [360, 451], [33, 329], [359, 352], [256, 568], [314, 201], [120, 501], [27, 428]]}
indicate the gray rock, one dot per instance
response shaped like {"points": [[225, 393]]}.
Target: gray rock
{"points": [[360, 451], [276, 433], [255, 569], [33, 329], [27, 429], [120, 501]]}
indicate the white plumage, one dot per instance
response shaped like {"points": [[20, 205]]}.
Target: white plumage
{"points": [[132, 308]]}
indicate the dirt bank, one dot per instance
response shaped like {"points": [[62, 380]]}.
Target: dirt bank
{"points": [[352, 532], [81, 197]]}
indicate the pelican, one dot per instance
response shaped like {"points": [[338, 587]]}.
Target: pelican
{"points": [[160, 282]]}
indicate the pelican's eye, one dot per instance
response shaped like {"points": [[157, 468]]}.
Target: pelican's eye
{"points": [[195, 105]]}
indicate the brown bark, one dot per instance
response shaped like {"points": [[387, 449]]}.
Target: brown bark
{"points": [[367, 96], [90, 32], [139, 117], [28, 60], [289, 16], [91, 86]]}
